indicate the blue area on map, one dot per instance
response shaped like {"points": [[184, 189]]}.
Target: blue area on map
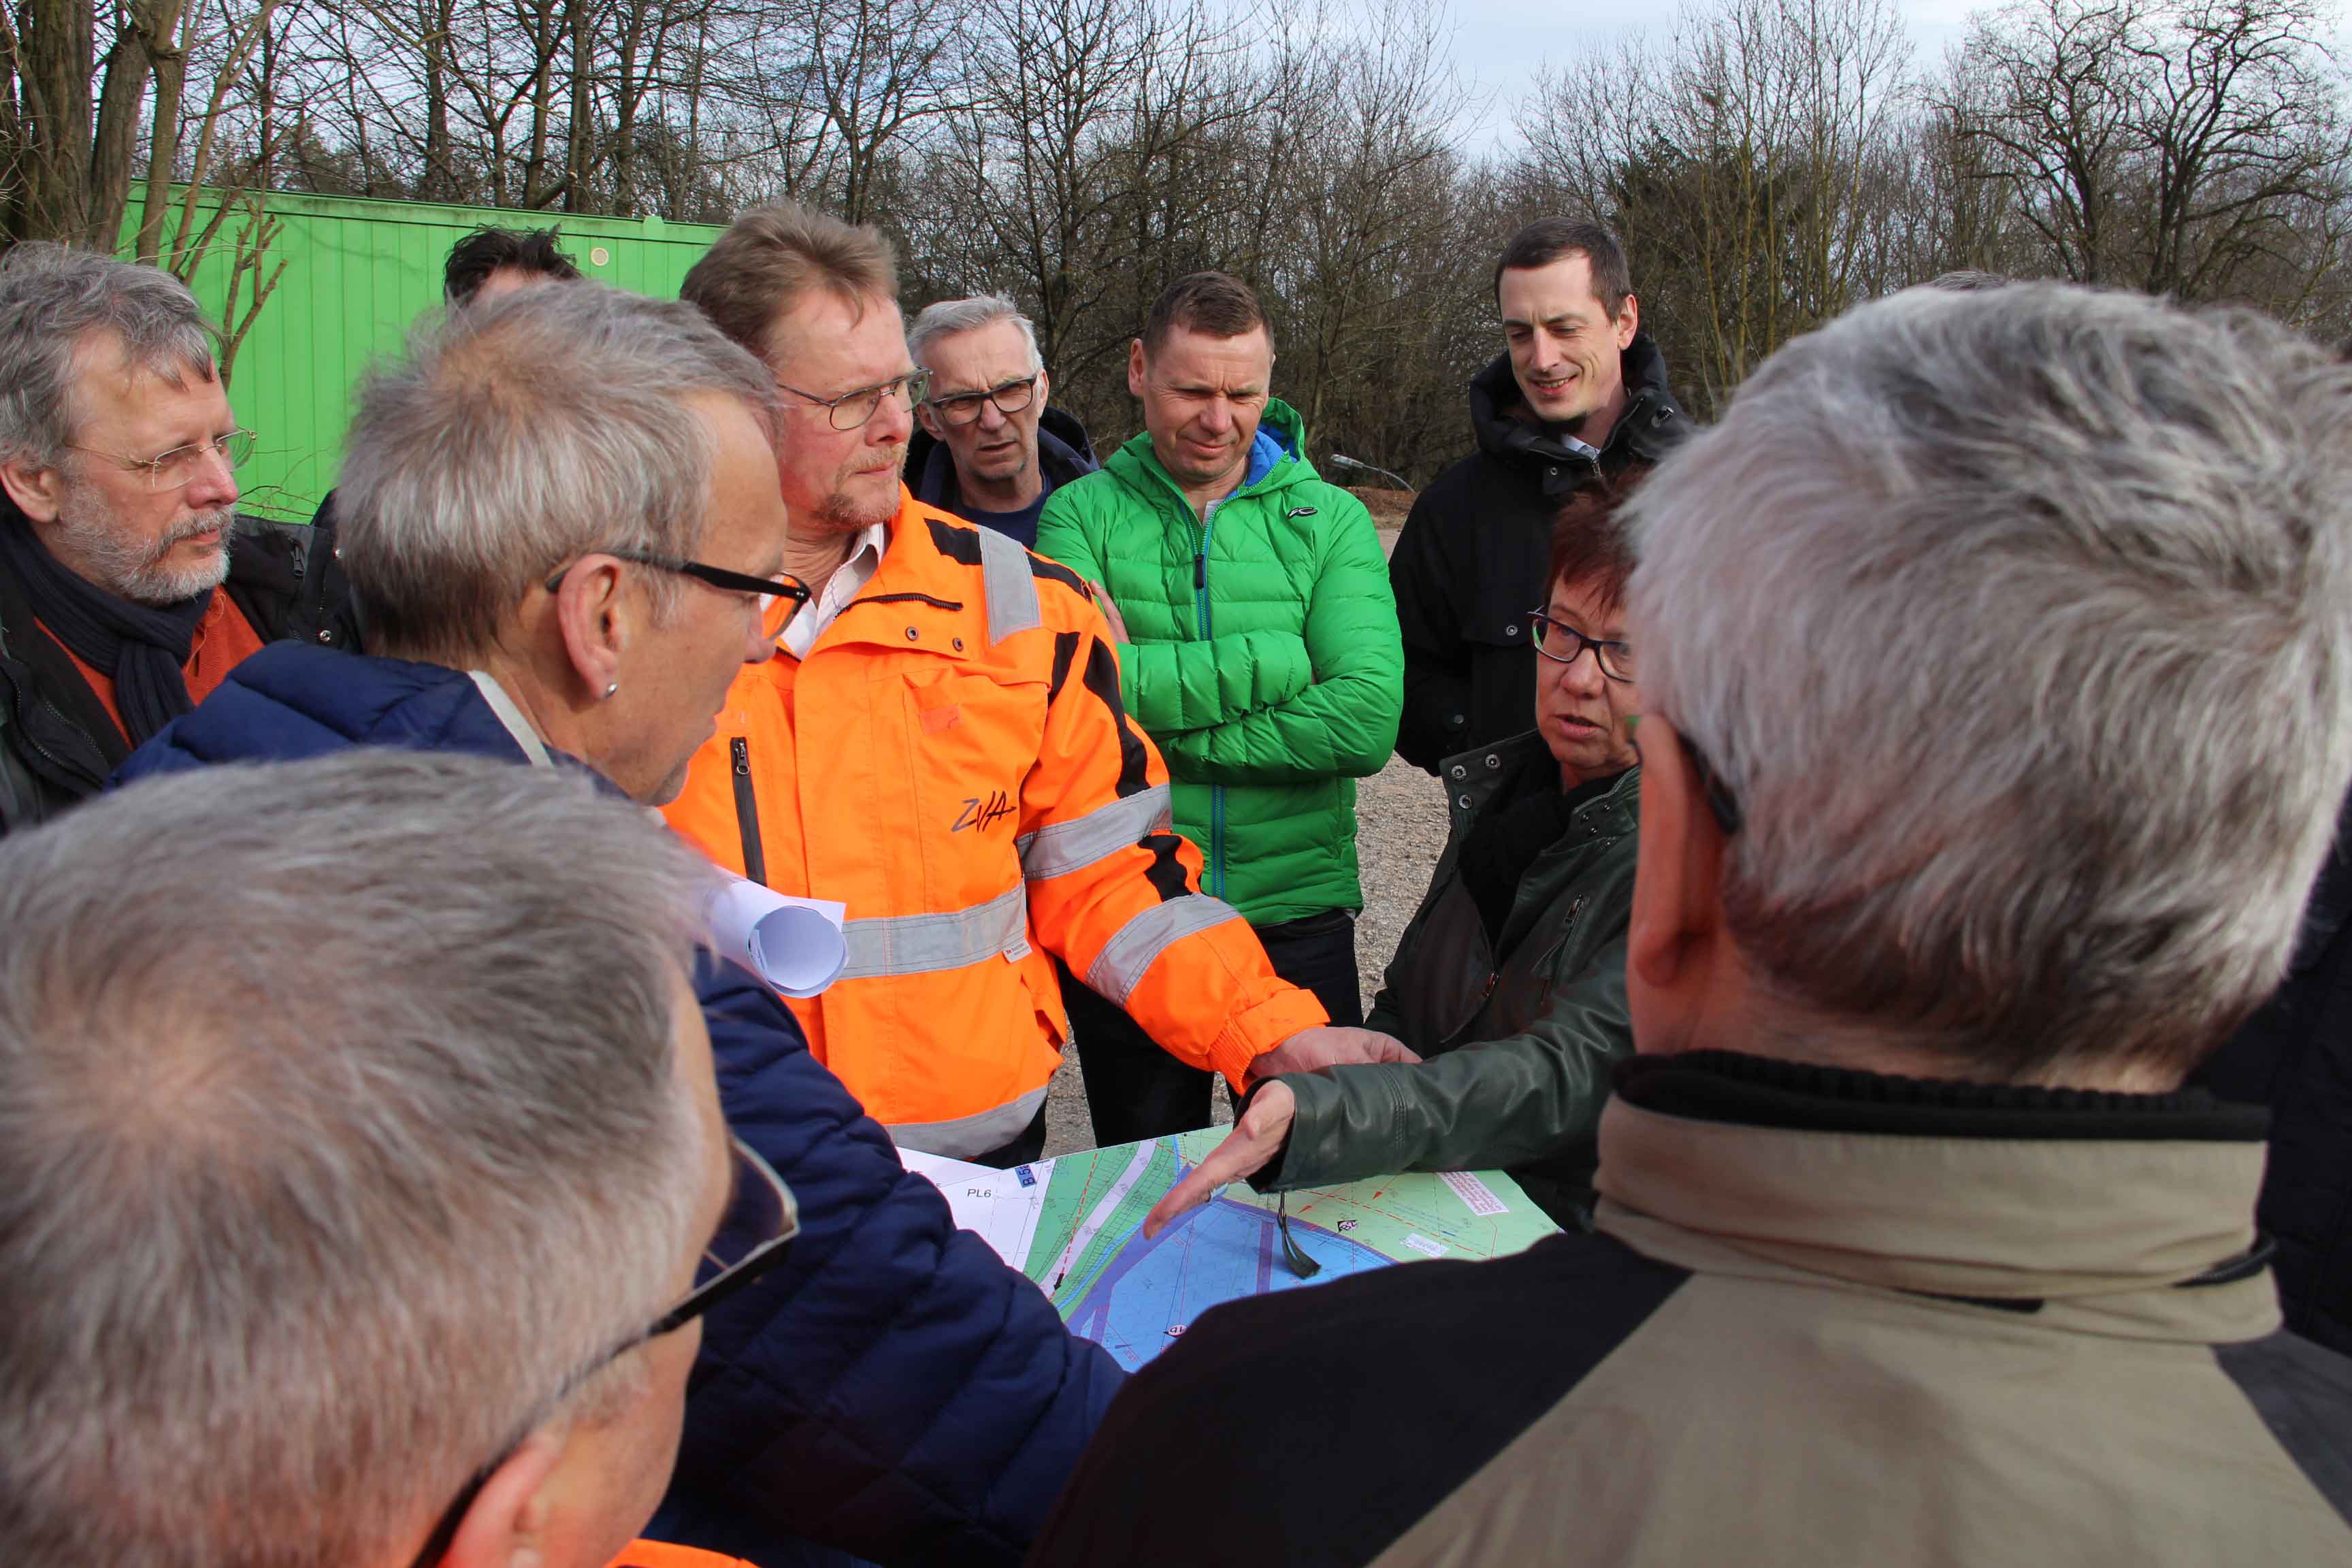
{"points": [[1221, 1251]]}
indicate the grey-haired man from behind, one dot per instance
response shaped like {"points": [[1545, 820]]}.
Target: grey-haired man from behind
{"points": [[407, 1267], [1911, 1249]]}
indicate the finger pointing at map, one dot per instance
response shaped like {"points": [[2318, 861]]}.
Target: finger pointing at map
{"points": [[1256, 1137]]}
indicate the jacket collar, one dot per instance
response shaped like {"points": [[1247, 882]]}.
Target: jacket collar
{"points": [[1137, 465], [1064, 453], [1473, 779], [1651, 424], [291, 699], [2126, 1213]]}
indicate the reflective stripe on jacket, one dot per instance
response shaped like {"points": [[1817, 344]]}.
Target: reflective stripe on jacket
{"points": [[975, 792]]}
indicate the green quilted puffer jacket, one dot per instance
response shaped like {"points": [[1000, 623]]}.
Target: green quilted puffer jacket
{"points": [[1266, 662]]}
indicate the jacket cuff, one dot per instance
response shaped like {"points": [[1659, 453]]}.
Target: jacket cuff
{"points": [[1255, 1031]]}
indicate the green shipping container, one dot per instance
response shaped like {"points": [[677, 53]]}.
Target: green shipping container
{"points": [[357, 274]]}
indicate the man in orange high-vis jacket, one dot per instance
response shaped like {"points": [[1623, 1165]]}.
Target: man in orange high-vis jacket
{"points": [[939, 742]]}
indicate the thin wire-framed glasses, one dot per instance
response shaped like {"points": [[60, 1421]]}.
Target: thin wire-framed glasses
{"points": [[851, 410], [754, 1236], [1010, 397], [777, 596], [1563, 644], [181, 465]]}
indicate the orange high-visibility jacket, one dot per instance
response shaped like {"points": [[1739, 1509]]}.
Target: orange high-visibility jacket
{"points": [[952, 762], [661, 1554]]}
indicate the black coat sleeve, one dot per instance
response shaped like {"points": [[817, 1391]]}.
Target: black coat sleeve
{"points": [[1436, 660]]}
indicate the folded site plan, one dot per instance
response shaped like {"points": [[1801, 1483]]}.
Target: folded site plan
{"points": [[1074, 1225]]}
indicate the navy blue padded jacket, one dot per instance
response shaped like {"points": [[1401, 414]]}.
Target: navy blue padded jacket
{"points": [[894, 1390]]}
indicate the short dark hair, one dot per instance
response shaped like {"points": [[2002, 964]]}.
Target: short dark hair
{"points": [[1216, 304], [1588, 541], [472, 259], [1547, 239]]}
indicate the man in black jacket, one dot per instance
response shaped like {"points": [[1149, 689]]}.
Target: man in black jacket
{"points": [[1578, 393], [986, 447], [129, 583]]}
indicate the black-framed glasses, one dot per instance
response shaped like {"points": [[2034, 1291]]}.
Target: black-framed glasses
{"points": [[777, 596], [1563, 644], [851, 410], [180, 467], [754, 1236], [1010, 397], [1721, 804]]}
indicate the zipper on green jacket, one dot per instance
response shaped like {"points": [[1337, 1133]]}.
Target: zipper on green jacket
{"points": [[1216, 867]]}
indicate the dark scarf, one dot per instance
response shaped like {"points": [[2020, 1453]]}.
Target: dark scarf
{"points": [[142, 648]]}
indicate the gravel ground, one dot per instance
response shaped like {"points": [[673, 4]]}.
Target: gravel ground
{"points": [[1400, 830]]}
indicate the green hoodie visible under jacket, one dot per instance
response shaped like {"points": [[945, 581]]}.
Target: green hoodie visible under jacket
{"points": [[1265, 662]]}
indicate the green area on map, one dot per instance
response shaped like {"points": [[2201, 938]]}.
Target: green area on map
{"points": [[1137, 1297]]}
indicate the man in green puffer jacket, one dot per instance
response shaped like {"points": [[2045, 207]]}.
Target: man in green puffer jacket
{"points": [[1258, 648]]}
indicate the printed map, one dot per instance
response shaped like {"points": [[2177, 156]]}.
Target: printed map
{"points": [[1136, 1297]]}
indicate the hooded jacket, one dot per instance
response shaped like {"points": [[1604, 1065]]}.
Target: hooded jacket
{"points": [[893, 1389], [1474, 556], [1828, 1318], [1064, 454], [1517, 1054], [57, 744], [1264, 661]]}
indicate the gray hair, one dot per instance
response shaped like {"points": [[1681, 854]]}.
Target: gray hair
{"points": [[2016, 621], [339, 1138], [952, 316], [519, 435], [51, 298]]}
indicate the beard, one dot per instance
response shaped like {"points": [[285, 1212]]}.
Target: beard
{"points": [[851, 509], [142, 570]]}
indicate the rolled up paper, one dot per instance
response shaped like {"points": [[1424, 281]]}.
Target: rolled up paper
{"points": [[793, 944]]}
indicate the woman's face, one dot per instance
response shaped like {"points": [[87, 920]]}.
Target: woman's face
{"points": [[1585, 718]]}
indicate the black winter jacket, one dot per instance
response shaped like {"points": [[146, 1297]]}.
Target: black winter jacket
{"points": [[57, 744], [2295, 1057], [1064, 454], [1472, 560]]}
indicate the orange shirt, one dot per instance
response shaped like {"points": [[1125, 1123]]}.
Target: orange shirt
{"points": [[224, 640]]}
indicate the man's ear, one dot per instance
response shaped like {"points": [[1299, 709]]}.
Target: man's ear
{"points": [[594, 609], [1677, 887], [1629, 321], [1044, 388], [507, 1524], [930, 422], [1135, 367], [38, 492]]}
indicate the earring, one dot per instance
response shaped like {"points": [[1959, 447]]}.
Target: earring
{"points": [[610, 691]]}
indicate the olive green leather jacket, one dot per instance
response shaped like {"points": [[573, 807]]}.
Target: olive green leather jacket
{"points": [[1518, 1056]]}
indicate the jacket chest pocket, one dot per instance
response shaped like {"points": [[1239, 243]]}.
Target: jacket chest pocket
{"points": [[969, 742]]}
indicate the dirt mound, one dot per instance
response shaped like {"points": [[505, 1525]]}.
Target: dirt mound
{"points": [[1388, 507]]}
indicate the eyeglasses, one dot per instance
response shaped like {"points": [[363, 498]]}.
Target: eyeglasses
{"points": [[851, 410], [754, 1236], [1721, 804], [181, 465], [1010, 397], [1563, 644], [777, 596]]}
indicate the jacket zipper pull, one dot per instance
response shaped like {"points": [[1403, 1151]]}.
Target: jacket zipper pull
{"points": [[746, 813], [1201, 570]]}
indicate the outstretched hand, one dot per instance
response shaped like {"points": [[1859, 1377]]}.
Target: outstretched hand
{"points": [[1329, 1045], [1256, 1137], [1262, 1129]]}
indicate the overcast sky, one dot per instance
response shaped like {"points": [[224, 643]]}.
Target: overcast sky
{"points": [[1499, 45]]}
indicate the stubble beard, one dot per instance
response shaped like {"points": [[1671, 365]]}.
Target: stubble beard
{"points": [[143, 573]]}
